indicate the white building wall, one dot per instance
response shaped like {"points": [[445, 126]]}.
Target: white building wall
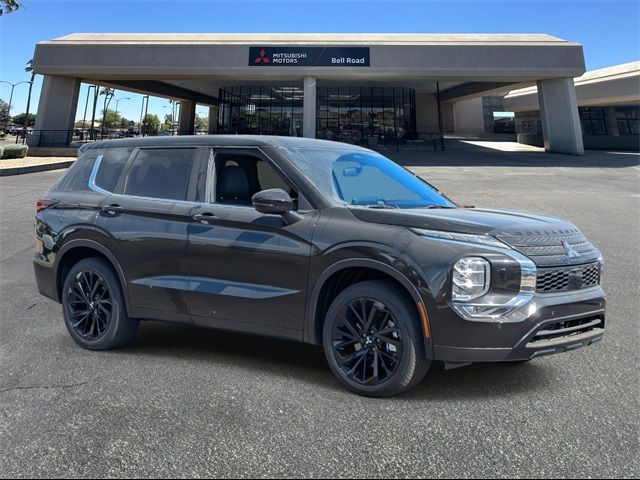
{"points": [[469, 117]]}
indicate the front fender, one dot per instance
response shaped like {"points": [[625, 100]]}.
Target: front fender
{"points": [[381, 258]]}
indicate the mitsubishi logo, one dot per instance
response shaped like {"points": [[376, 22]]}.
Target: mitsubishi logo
{"points": [[262, 58], [571, 252]]}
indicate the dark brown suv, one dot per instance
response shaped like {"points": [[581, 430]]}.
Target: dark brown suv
{"points": [[313, 241]]}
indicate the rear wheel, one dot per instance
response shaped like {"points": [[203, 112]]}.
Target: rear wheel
{"points": [[373, 340], [93, 306]]}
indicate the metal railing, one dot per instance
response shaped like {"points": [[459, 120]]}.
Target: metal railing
{"points": [[67, 138], [76, 137]]}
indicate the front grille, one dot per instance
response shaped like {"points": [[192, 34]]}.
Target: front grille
{"points": [[569, 328], [568, 278], [550, 250]]}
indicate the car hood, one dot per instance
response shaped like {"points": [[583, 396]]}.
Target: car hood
{"points": [[549, 241]]}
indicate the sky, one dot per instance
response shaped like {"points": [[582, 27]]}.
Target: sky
{"points": [[608, 29]]}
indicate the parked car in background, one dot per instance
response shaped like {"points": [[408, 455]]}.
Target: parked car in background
{"points": [[314, 241]]}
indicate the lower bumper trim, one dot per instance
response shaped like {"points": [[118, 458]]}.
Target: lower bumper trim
{"points": [[569, 342]]}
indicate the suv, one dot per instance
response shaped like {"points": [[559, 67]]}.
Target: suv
{"points": [[313, 241]]}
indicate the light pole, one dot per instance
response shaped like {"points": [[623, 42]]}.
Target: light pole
{"points": [[13, 85], [143, 114], [116, 115]]}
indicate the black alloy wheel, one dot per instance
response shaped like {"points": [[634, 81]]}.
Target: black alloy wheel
{"points": [[90, 305], [94, 308], [367, 341], [373, 339]]}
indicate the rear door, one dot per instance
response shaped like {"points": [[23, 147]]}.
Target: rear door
{"points": [[249, 270], [147, 216]]}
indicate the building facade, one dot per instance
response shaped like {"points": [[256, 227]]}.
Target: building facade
{"points": [[608, 107], [356, 88]]}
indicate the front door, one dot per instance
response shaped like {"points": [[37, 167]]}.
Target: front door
{"points": [[248, 270]]}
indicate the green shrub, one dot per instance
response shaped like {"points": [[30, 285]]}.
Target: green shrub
{"points": [[14, 151], [1, 150]]}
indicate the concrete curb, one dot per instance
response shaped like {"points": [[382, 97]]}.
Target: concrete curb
{"points": [[5, 172]]}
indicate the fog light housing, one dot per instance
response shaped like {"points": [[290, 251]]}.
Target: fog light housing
{"points": [[471, 278]]}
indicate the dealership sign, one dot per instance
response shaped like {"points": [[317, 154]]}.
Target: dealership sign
{"points": [[309, 56]]}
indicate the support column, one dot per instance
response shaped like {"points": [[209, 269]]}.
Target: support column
{"points": [[213, 120], [559, 116], [187, 118], [56, 112], [611, 121], [309, 108]]}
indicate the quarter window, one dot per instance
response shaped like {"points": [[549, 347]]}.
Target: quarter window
{"points": [[160, 173], [111, 165]]}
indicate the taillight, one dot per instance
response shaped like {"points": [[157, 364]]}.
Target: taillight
{"points": [[42, 204]]}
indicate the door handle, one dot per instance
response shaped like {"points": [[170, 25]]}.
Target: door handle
{"points": [[205, 218], [113, 209]]}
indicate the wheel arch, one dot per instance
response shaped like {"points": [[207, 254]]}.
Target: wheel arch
{"points": [[76, 250], [321, 297]]}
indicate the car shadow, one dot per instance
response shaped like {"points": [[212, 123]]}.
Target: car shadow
{"points": [[307, 363]]}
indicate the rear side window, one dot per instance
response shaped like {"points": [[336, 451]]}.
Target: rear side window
{"points": [[160, 173], [77, 177], [111, 165]]}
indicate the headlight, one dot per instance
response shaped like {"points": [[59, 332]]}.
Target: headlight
{"points": [[461, 237], [471, 278]]}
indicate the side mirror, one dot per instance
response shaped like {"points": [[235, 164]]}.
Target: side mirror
{"points": [[275, 201]]}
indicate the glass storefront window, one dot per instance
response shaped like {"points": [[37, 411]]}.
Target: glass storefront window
{"points": [[261, 110], [628, 118], [359, 115], [365, 115], [592, 120]]}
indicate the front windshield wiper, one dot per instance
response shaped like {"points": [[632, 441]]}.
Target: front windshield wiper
{"points": [[437, 206], [383, 205]]}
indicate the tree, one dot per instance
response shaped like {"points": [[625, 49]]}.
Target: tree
{"points": [[151, 124], [110, 119], [108, 95], [202, 123], [4, 112], [167, 126], [29, 69], [8, 6], [21, 119]]}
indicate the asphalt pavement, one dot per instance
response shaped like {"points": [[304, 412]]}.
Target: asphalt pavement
{"points": [[185, 402]]}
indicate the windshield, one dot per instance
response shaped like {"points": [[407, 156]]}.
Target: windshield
{"points": [[365, 179]]}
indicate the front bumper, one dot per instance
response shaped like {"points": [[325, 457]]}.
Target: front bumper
{"points": [[561, 323]]}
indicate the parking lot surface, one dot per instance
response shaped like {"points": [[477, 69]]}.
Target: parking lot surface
{"points": [[189, 402]]}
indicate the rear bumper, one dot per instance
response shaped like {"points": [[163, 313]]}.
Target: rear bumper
{"points": [[556, 327], [44, 277]]}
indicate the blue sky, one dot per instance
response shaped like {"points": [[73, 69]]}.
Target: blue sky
{"points": [[608, 29]]}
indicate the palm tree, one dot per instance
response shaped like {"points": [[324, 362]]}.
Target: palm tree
{"points": [[8, 6], [108, 95], [29, 69]]}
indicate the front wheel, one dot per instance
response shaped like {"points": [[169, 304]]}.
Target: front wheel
{"points": [[373, 340]]}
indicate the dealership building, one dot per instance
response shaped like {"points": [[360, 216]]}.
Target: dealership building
{"points": [[356, 88], [608, 107]]}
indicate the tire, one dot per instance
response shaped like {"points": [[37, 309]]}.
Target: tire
{"points": [[93, 306], [375, 365]]}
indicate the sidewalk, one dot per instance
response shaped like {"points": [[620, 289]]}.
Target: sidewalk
{"points": [[18, 166]]}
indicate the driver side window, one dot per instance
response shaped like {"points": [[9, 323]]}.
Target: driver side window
{"points": [[239, 176]]}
